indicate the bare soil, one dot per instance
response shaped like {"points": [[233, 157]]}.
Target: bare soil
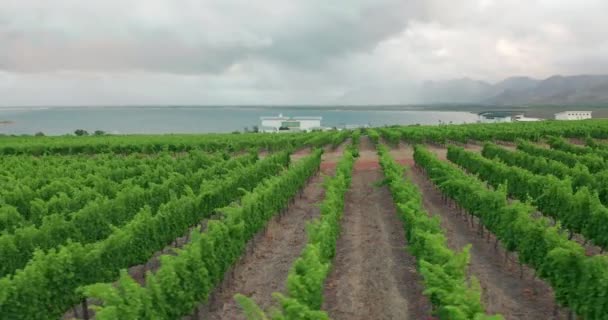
{"points": [[577, 141], [503, 291], [331, 155], [441, 152], [373, 276], [506, 143], [264, 267], [512, 147], [299, 154]]}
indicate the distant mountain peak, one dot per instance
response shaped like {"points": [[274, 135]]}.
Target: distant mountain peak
{"points": [[520, 90]]}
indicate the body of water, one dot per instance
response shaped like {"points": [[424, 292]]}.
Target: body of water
{"points": [[125, 120]]}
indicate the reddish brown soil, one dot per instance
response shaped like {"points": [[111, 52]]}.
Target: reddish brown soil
{"points": [[264, 267], [502, 289], [576, 141], [403, 154], [331, 156], [441, 152], [512, 147], [373, 276], [506, 143], [299, 154]]}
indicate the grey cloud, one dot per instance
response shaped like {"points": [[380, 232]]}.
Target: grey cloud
{"points": [[275, 51], [331, 35], [154, 54], [178, 41]]}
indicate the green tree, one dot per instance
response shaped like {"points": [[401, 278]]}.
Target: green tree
{"points": [[81, 132]]}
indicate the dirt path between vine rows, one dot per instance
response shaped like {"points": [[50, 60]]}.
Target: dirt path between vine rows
{"points": [[576, 141], [264, 267], [373, 276], [502, 289]]}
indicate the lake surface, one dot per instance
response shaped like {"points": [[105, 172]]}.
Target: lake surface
{"points": [[123, 120]]}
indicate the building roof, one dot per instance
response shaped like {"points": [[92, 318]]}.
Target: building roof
{"points": [[498, 114], [525, 119], [307, 118]]}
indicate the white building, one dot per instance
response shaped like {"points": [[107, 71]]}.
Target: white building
{"points": [[504, 116], [573, 115], [495, 117], [522, 118], [281, 123]]}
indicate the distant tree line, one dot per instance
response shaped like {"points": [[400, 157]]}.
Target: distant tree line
{"points": [[78, 132], [82, 132]]}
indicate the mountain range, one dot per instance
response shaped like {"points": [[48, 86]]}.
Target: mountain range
{"points": [[555, 90]]}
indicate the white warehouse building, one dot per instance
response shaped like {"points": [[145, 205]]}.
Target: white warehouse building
{"points": [[495, 116], [287, 124], [573, 115], [504, 116]]}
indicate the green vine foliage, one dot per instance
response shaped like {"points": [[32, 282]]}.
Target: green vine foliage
{"points": [[48, 283], [305, 281], [96, 220], [534, 131], [580, 211], [152, 144], [580, 282], [339, 137], [373, 135], [391, 136], [354, 145], [594, 162], [186, 279], [579, 174], [38, 186], [444, 272], [559, 143]]}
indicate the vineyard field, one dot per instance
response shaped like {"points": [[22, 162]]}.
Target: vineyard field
{"points": [[455, 222]]}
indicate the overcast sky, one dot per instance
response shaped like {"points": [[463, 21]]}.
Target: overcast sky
{"points": [[117, 52]]}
